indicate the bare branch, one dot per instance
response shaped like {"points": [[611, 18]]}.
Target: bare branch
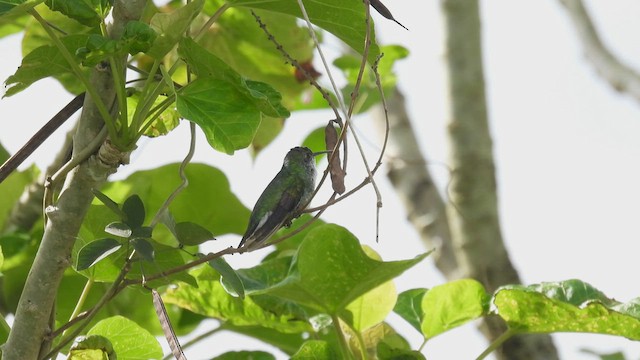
{"points": [[620, 76]]}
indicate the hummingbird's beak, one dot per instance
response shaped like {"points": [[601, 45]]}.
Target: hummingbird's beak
{"points": [[322, 152]]}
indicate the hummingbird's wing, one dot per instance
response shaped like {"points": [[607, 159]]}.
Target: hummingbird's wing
{"points": [[283, 212]]}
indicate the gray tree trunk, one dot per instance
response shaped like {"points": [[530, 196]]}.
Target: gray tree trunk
{"points": [[32, 319]]}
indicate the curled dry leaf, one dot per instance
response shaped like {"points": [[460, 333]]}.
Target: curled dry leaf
{"points": [[306, 68], [335, 169]]}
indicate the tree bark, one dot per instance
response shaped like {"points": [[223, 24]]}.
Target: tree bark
{"points": [[473, 210], [32, 318], [413, 183]]}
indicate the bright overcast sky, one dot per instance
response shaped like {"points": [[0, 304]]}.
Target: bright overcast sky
{"points": [[566, 147]]}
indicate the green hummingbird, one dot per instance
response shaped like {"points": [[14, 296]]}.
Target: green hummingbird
{"points": [[284, 198]]}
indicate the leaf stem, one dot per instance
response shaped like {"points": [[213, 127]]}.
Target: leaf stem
{"points": [[81, 300], [78, 73], [183, 176], [496, 343], [342, 339]]}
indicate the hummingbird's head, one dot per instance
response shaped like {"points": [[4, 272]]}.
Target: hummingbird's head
{"points": [[298, 155]]}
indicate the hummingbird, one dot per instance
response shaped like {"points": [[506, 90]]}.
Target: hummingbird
{"points": [[284, 198]]}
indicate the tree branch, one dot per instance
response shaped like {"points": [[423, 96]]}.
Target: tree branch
{"points": [[31, 323], [620, 76], [473, 209]]}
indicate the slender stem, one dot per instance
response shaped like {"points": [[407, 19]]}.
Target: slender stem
{"points": [[39, 137], [183, 176], [496, 343], [211, 20], [342, 339], [78, 73], [83, 298], [144, 95]]}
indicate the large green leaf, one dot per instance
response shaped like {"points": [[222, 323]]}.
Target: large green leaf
{"points": [[207, 201], [315, 350], [171, 27], [344, 19], [129, 340], [42, 62], [9, 8], [210, 299], [330, 270], [239, 42], [207, 65], [12, 23], [373, 307], [92, 347], [87, 12], [452, 304], [228, 118], [566, 306]]}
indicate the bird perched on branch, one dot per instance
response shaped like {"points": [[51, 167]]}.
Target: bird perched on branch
{"points": [[283, 199]]}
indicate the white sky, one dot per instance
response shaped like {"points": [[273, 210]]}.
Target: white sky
{"points": [[566, 148]]}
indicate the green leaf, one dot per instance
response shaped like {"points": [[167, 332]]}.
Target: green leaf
{"points": [[118, 229], [110, 204], [210, 299], [91, 347], [133, 208], [254, 55], [164, 258], [16, 7], [219, 211], [12, 23], [344, 19], [43, 62], [287, 343], [129, 340], [95, 251], [409, 306], [144, 248], [229, 120], [189, 233], [171, 27], [605, 356], [373, 307], [340, 275], [245, 355], [315, 350], [4, 330], [452, 304], [93, 227], [137, 37], [87, 12], [11, 189], [229, 276], [566, 306], [206, 65], [388, 344]]}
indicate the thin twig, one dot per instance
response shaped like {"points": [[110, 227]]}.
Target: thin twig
{"points": [[40, 136]]}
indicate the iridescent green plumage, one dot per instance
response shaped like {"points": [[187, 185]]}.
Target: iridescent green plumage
{"points": [[284, 198]]}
